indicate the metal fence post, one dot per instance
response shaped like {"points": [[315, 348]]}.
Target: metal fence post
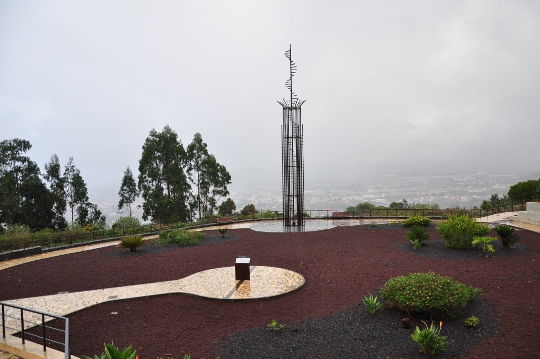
{"points": [[3, 323], [43, 326], [66, 339], [22, 326]]}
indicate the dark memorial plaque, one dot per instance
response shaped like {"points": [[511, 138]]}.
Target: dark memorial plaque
{"points": [[241, 268]]}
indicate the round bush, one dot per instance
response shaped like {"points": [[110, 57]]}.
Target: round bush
{"points": [[416, 220], [127, 223], [431, 293], [459, 230]]}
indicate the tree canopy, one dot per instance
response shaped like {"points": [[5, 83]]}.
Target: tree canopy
{"points": [[226, 208], [162, 180], [24, 198], [248, 209], [526, 191], [76, 191], [57, 187], [208, 177], [128, 191]]}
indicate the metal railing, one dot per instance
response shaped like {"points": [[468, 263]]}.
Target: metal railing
{"points": [[441, 213], [10, 320]]}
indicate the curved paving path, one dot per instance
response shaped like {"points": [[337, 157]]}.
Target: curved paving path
{"points": [[217, 283]]}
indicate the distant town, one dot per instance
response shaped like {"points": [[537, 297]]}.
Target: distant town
{"points": [[447, 190]]}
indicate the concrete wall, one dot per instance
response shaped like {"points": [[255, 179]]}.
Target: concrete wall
{"points": [[530, 216]]}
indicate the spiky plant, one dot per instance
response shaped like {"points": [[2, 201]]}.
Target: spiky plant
{"points": [[417, 233], [506, 232], [132, 242]]}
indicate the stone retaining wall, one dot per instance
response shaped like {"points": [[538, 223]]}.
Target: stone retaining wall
{"points": [[530, 216], [19, 253]]}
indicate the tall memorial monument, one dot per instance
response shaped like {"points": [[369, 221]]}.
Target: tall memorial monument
{"points": [[292, 154]]}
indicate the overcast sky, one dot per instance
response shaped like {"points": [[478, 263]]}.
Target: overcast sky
{"points": [[390, 86]]}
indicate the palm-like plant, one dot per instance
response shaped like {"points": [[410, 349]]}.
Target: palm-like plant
{"points": [[506, 232], [417, 233], [132, 242]]}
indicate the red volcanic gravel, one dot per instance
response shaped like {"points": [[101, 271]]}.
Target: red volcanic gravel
{"points": [[340, 266]]}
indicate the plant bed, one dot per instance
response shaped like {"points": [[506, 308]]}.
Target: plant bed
{"points": [[340, 265], [153, 246], [437, 249]]}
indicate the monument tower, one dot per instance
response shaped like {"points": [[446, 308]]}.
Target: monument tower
{"points": [[292, 154]]}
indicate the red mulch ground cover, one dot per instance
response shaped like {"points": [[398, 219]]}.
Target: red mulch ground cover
{"points": [[340, 266]]}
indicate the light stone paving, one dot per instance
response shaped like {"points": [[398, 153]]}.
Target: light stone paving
{"points": [[36, 257], [6, 355], [497, 218], [508, 218], [217, 283]]}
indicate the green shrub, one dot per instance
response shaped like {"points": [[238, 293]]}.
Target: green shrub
{"points": [[427, 293], [18, 231], [222, 231], [417, 233], [15, 236], [210, 218], [182, 237], [485, 244], [430, 340], [416, 244], [506, 232], [372, 304], [416, 220], [132, 242], [127, 223], [111, 352], [273, 325], [472, 321], [102, 356], [44, 236], [459, 230]]}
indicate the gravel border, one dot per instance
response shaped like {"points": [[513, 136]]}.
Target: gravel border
{"points": [[354, 333], [438, 249]]}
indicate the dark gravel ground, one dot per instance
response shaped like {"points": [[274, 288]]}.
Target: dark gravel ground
{"points": [[354, 333], [323, 319]]}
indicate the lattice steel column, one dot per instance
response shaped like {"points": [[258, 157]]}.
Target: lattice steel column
{"points": [[292, 155]]}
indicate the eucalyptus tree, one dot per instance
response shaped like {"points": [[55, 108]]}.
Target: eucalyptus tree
{"points": [[209, 178], [76, 191], [24, 198], [89, 213], [162, 180], [128, 191], [57, 187]]}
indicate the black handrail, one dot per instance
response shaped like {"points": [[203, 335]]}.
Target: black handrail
{"points": [[43, 338]]}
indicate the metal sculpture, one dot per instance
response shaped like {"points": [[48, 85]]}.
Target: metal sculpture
{"points": [[292, 154]]}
